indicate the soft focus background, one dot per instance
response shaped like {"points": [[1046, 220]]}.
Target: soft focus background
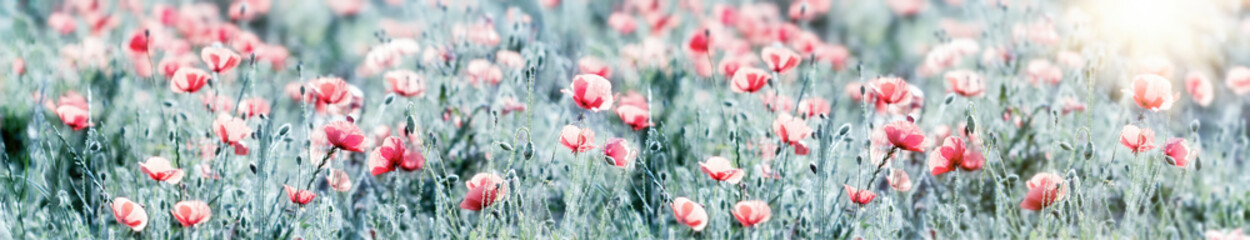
{"points": [[1039, 90]]}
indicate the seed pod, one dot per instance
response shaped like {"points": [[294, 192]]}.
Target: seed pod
{"points": [[299, 160], [1065, 146], [95, 146], [528, 150], [1089, 150], [972, 124], [1012, 178], [812, 166], [729, 103], [252, 166], [389, 98], [505, 146], [846, 128], [284, 129], [1193, 126], [949, 98]]}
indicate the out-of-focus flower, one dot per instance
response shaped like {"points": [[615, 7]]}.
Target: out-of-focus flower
{"points": [[509, 59], [1045, 189], [1152, 92], [75, 117], [859, 196], [484, 189], [836, 55], [813, 106], [170, 65], [345, 135], [405, 83], [1157, 65], [510, 104], [591, 92], [299, 196], [777, 103], [62, 22], [750, 80], [1041, 71], [188, 80], [254, 106], [130, 214], [780, 59], [904, 135], [339, 180], [1227, 234], [19, 66], [159, 169], [231, 129], [1137, 139], [1238, 79], [249, 9], [634, 116], [689, 213], [346, 7], [192, 212], [907, 8], [899, 180], [752, 212], [220, 59], [482, 71], [720, 170], [619, 153], [1040, 32], [890, 90], [1178, 150], [954, 154], [592, 65], [965, 83], [1200, 88], [622, 23], [1070, 59], [577, 139], [1071, 105], [699, 41]]}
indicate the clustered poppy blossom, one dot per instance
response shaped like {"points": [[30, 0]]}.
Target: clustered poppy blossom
{"points": [[484, 190]]}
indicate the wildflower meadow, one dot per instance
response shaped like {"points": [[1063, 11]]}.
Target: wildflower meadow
{"points": [[631, 119]]}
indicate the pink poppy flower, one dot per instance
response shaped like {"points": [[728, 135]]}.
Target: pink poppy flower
{"points": [[339, 180], [346, 7], [1238, 79], [378, 163], [170, 65], [190, 213], [890, 90], [484, 190], [1041, 71], [591, 92], [905, 135], [1200, 88], [852, 90], [1071, 105], [19, 66], [345, 135], [1137, 139], [777, 103], [729, 65], [899, 180], [720, 170], [1152, 92], [792, 131], [510, 104], [482, 71], [405, 83], [592, 65], [253, 106], [700, 41], [836, 55], [634, 116], [509, 59], [965, 83], [622, 23], [907, 8], [188, 80], [750, 80], [954, 154], [299, 196], [577, 139], [780, 59], [859, 196], [1178, 150], [619, 153], [230, 129], [75, 117], [1227, 234], [1045, 189], [689, 213], [752, 212], [331, 90], [812, 107], [139, 41], [130, 214], [62, 22], [159, 169], [220, 59]]}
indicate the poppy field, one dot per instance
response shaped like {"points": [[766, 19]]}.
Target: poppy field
{"points": [[631, 119]]}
